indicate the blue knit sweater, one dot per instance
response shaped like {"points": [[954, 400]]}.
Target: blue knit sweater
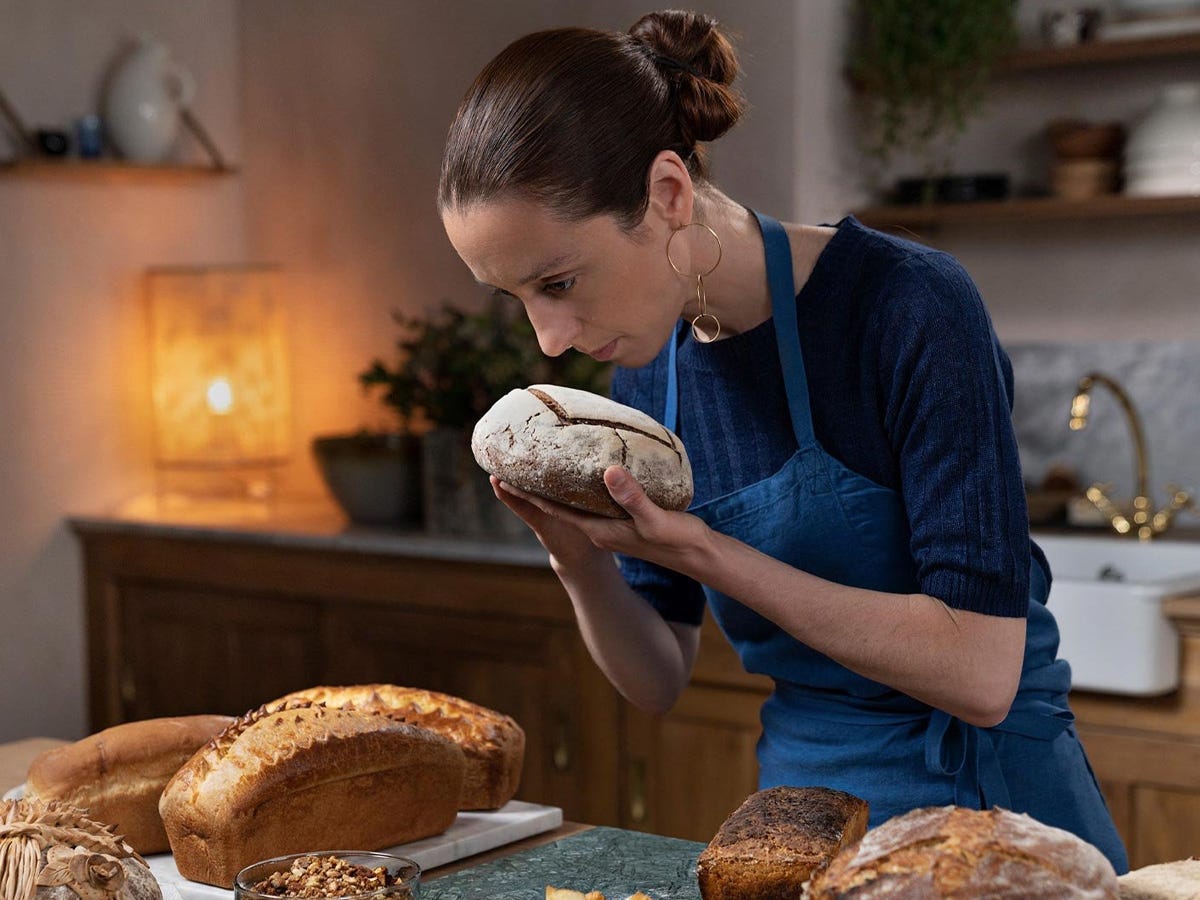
{"points": [[905, 390]]}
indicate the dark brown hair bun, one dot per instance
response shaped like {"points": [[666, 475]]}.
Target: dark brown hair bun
{"points": [[708, 105]]}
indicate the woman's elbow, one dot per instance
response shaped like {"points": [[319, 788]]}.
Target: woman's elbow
{"points": [[656, 698], [991, 703]]}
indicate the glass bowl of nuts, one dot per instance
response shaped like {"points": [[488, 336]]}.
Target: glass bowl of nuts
{"points": [[330, 875]]}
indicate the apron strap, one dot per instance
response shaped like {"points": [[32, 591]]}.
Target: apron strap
{"points": [[671, 411], [787, 334]]}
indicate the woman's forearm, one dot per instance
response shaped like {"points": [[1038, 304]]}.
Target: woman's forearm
{"points": [[646, 658], [967, 664]]}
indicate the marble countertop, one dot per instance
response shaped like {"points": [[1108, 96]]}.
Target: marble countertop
{"points": [[300, 523], [613, 861]]}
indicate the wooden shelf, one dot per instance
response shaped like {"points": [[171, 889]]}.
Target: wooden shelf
{"points": [[1100, 52], [104, 168], [1040, 209]]}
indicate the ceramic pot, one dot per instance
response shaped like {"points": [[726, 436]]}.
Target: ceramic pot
{"points": [[143, 100], [374, 477], [459, 499], [1163, 154]]}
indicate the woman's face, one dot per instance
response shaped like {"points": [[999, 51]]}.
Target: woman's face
{"points": [[588, 285]]}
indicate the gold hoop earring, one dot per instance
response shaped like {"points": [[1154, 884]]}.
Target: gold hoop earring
{"points": [[698, 331]]}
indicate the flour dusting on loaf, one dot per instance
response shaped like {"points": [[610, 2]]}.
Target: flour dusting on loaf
{"points": [[556, 442], [951, 851]]}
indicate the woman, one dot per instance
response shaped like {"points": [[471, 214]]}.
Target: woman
{"points": [[859, 528]]}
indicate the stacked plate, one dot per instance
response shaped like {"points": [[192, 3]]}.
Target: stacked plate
{"points": [[1162, 157]]}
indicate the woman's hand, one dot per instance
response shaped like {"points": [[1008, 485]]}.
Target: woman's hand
{"points": [[672, 539]]}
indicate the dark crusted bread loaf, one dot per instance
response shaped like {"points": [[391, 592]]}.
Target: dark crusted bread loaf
{"points": [[556, 442], [305, 777], [493, 743], [119, 773], [777, 840], [950, 851]]}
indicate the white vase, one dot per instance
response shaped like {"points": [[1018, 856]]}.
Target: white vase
{"points": [[1162, 156], [143, 101]]}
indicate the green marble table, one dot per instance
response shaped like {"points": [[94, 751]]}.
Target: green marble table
{"points": [[610, 860]]}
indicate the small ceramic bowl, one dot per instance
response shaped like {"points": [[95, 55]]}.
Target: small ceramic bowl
{"points": [[403, 872]]}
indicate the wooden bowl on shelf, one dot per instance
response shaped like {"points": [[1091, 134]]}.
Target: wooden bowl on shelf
{"points": [[1077, 139]]}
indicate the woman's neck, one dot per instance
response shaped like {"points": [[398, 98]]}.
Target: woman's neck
{"points": [[737, 291]]}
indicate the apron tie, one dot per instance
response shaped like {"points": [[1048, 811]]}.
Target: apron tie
{"points": [[967, 753]]}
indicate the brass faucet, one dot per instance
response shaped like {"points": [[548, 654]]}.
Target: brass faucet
{"points": [[1136, 517]]}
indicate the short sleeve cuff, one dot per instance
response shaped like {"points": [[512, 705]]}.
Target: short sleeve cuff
{"points": [[976, 593]]}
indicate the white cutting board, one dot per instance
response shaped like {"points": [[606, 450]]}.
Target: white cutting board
{"points": [[471, 833]]}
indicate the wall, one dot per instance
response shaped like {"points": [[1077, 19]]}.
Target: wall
{"points": [[73, 427]]}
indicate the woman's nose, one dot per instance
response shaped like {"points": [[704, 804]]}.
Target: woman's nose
{"points": [[555, 329]]}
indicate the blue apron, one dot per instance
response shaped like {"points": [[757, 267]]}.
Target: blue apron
{"points": [[826, 725]]}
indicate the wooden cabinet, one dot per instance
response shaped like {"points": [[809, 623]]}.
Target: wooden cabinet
{"points": [[189, 624], [190, 651], [1146, 754], [185, 622]]}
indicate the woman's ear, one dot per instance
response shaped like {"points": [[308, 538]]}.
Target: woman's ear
{"points": [[670, 190]]}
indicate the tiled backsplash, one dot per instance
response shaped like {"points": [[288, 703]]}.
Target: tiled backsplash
{"points": [[1162, 379]]}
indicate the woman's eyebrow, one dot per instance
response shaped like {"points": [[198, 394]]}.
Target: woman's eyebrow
{"points": [[549, 268]]}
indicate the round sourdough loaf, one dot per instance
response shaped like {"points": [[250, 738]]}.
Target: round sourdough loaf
{"points": [[950, 851], [556, 442]]}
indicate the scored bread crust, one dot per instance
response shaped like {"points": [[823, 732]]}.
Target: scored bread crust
{"points": [[493, 743], [302, 777], [118, 774], [556, 442], [949, 851], [777, 840]]}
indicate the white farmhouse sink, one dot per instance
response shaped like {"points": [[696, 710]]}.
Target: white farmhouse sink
{"points": [[1107, 595]]}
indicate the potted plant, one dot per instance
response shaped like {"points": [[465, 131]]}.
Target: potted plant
{"points": [[922, 70], [449, 371]]}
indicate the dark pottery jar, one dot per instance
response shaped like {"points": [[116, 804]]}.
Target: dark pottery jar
{"points": [[374, 476]]}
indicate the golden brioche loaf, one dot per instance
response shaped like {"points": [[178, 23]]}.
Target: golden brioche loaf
{"points": [[493, 743], [118, 774], [776, 840], [302, 777], [950, 851]]}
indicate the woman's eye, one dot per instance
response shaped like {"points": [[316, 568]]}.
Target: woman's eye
{"points": [[499, 292], [558, 287]]}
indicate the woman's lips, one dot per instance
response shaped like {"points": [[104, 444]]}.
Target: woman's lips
{"points": [[605, 353]]}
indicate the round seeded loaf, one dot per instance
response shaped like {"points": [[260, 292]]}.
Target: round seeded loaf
{"points": [[556, 442], [950, 851]]}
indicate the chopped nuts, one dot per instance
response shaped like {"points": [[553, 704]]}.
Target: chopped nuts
{"points": [[328, 876]]}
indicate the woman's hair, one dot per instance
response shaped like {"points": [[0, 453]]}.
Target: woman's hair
{"points": [[572, 118]]}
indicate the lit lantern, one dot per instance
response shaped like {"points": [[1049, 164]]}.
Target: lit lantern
{"points": [[219, 367]]}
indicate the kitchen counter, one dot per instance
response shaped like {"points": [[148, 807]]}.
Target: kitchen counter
{"points": [[613, 860], [301, 524]]}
